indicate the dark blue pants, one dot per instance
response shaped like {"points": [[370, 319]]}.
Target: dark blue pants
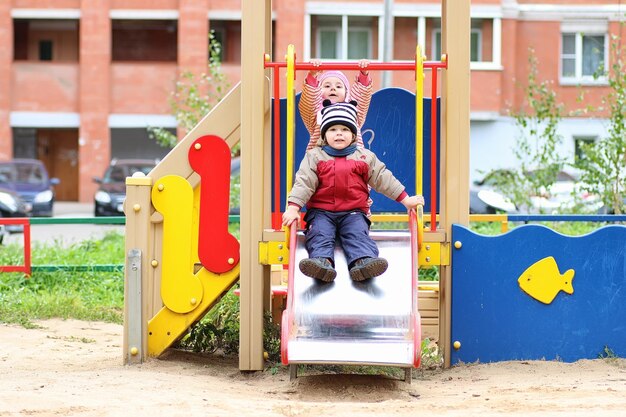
{"points": [[349, 228]]}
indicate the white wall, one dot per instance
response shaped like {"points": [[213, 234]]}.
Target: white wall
{"points": [[492, 142]]}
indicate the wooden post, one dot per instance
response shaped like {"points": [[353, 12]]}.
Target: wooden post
{"points": [[255, 177], [138, 209], [455, 137]]}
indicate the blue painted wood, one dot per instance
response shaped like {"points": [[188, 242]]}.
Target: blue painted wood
{"points": [[610, 218], [389, 131], [495, 320]]}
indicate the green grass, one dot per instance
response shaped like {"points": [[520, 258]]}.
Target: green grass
{"points": [[565, 228], [97, 296]]}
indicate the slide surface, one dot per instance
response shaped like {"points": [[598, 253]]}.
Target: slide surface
{"points": [[372, 322]]}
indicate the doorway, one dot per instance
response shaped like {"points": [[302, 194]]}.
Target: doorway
{"points": [[58, 150]]}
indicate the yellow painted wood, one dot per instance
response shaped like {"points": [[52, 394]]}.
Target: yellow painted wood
{"points": [[430, 254], [139, 180], [181, 290], [291, 118], [543, 281], [271, 253], [195, 225], [168, 326], [419, 119], [381, 218]]}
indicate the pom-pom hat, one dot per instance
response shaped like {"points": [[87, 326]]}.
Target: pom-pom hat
{"points": [[336, 74], [338, 114]]}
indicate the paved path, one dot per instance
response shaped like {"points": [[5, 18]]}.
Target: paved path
{"points": [[66, 233]]}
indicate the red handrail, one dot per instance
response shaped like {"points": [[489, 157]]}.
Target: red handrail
{"points": [[381, 66], [26, 268]]}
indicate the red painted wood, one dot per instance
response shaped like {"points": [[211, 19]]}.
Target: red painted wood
{"points": [[209, 156], [26, 268]]}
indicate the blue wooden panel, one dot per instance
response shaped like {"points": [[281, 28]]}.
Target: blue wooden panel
{"points": [[389, 131], [495, 320]]}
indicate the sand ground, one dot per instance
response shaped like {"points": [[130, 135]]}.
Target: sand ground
{"points": [[74, 368]]}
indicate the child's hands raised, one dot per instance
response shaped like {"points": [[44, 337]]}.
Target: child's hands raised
{"points": [[412, 201], [364, 63], [315, 63], [290, 215]]}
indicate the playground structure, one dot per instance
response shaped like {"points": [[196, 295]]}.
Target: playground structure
{"points": [[499, 297], [157, 310]]}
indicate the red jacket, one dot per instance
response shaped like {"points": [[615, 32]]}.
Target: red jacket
{"points": [[341, 183]]}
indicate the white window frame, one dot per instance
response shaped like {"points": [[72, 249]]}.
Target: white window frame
{"points": [[313, 8], [343, 32], [496, 41], [478, 32], [578, 77]]}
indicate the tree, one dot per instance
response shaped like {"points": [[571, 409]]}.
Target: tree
{"points": [[194, 96], [603, 163], [536, 145]]}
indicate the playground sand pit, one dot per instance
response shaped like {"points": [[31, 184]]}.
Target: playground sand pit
{"points": [[74, 368]]}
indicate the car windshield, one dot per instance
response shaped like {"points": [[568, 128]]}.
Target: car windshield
{"points": [[7, 174], [119, 173], [22, 173]]}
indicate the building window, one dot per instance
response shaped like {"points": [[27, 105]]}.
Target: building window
{"points": [[484, 43], [228, 34], [45, 50], [144, 40], [579, 145], [583, 57], [476, 43], [343, 37], [45, 40]]}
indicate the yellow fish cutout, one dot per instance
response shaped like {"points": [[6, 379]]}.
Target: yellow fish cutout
{"points": [[543, 281]]}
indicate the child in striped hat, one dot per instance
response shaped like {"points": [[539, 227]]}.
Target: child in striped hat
{"points": [[332, 182]]}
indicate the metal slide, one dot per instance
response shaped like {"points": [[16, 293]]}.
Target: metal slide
{"points": [[374, 322]]}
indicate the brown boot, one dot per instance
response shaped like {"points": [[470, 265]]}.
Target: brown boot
{"points": [[366, 268], [318, 268]]}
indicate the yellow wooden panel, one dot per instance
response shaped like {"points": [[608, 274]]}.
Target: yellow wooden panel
{"points": [[430, 254], [168, 326], [271, 253], [181, 290]]}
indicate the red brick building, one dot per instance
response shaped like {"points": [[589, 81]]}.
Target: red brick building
{"points": [[80, 80]]}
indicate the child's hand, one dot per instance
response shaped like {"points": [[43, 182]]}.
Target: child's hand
{"points": [[316, 63], [292, 213], [363, 63], [413, 201]]}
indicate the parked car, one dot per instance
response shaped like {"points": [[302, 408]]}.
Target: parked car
{"points": [[565, 195], [12, 205], [109, 199], [484, 199], [29, 178]]}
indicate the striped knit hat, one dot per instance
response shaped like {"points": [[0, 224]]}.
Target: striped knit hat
{"points": [[338, 114]]}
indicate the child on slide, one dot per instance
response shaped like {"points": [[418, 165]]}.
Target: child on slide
{"points": [[332, 182]]}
